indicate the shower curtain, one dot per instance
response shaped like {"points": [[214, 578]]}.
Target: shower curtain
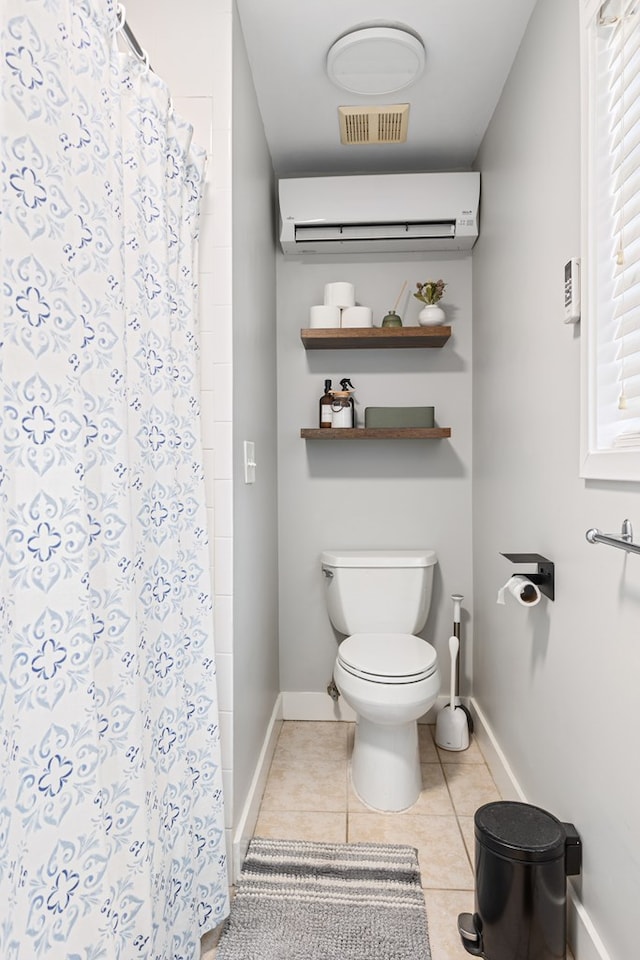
{"points": [[111, 821]]}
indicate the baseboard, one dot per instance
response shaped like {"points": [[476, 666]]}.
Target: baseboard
{"points": [[313, 705], [582, 934], [501, 772], [249, 816]]}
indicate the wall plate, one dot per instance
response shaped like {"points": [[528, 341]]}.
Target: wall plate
{"points": [[249, 461]]}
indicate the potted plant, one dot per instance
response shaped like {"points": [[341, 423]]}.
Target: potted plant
{"points": [[430, 293]]}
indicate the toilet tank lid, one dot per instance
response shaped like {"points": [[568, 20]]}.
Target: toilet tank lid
{"points": [[378, 558]]}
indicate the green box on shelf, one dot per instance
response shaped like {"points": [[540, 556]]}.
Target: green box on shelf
{"points": [[398, 416]]}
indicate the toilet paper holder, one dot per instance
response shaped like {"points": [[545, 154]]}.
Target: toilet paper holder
{"points": [[545, 576]]}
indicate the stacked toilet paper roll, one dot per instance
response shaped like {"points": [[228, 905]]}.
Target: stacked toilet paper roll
{"points": [[324, 315], [339, 294], [525, 592], [339, 308], [357, 317]]}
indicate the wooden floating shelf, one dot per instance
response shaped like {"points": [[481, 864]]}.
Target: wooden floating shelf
{"points": [[341, 338], [375, 433]]}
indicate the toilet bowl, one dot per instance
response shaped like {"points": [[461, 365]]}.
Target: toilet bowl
{"points": [[388, 675], [390, 680]]}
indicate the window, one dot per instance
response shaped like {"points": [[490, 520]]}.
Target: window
{"points": [[611, 239]]}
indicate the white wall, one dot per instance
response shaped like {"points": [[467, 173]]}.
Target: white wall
{"points": [[367, 494], [255, 556], [558, 683]]}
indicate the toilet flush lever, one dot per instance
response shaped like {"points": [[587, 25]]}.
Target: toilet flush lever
{"points": [[328, 573]]}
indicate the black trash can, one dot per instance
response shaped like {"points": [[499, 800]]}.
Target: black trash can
{"points": [[523, 856]]}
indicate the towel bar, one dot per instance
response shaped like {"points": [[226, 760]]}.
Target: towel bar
{"points": [[623, 542]]}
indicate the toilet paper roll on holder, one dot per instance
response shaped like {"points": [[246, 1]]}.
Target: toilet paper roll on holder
{"points": [[544, 578]]}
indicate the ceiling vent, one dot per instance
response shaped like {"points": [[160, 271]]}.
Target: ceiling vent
{"points": [[387, 124]]}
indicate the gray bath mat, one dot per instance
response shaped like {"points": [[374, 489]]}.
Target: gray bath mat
{"points": [[327, 901]]}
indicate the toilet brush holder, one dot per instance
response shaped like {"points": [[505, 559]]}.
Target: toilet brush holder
{"points": [[452, 729]]}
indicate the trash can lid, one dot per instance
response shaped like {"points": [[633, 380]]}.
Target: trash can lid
{"points": [[519, 831]]}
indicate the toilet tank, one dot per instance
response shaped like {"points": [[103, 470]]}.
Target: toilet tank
{"points": [[378, 591]]}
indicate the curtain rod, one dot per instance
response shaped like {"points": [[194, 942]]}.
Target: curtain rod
{"points": [[130, 37], [609, 20]]}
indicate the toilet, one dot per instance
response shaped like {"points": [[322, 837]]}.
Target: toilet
{"points": [[379, 600]]}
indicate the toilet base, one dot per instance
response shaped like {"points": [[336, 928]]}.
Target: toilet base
{"points": [[385, 765]]}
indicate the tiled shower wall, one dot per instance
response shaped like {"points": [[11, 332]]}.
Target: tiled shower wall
{"points": [[211, 116], [216, 370]]}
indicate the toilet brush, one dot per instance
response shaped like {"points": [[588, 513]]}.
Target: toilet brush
{"points": [[457, 603], [452, 730]]}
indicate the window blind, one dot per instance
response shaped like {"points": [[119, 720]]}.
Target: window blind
{"points": [[619, 246]]}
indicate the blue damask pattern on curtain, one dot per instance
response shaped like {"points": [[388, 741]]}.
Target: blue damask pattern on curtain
{"points": [[111, 821]]}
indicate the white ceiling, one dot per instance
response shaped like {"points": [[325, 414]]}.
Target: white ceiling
{"points": [[470, 46]]}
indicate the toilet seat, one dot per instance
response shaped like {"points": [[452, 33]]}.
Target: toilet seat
{"points": [[387, 657]]}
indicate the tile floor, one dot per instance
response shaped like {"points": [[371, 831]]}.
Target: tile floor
{"points": [[308, 796]]}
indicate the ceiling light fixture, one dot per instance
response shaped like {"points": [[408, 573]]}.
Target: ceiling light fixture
{"points": [[375, 60]]}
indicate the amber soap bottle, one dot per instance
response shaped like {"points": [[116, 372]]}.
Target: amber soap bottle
{"points": [[326, 415]]}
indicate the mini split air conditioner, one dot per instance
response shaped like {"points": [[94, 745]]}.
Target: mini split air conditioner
{"points": [[379, 213]]}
